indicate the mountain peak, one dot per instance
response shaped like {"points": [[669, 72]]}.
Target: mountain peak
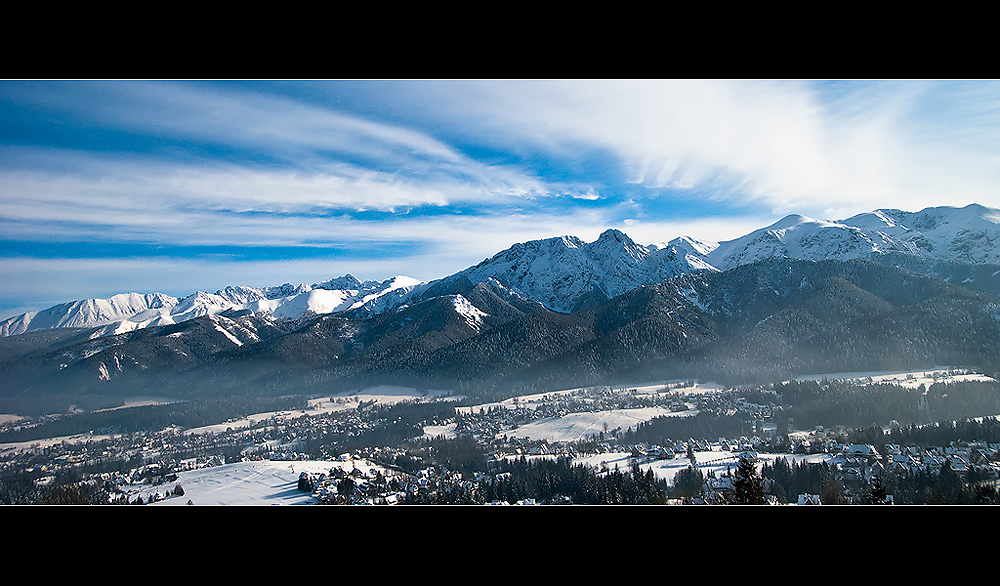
{"points": [[979, 211], [614, 234], [693, 246], [791, 221], [566, 241], [348, 281], [978, 208], [612, 243]]}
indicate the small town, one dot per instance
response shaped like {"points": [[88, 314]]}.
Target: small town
{"points": [[143, 467]]}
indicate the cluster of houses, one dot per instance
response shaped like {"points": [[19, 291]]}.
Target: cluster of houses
{"points": [[862, 461], [855, 465], [975, 456], [353, 486]]}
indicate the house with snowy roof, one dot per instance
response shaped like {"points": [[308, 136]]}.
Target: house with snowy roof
{"points": [[866, 451], [809, 499]]}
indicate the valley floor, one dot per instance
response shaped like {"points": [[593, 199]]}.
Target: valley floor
{"points": [[276, 481]]}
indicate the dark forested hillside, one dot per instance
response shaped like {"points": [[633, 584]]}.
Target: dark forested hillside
{"points": [[756, 323], [780, 318]]}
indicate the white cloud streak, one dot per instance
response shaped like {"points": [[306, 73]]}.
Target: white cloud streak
{"points": [[778, 143], [179, 205]]}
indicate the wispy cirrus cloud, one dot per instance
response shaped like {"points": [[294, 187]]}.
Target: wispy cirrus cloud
{"points": [[252, 168], [802, 146]]}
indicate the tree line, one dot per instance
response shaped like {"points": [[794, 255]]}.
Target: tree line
{"points": [[553, 481]]}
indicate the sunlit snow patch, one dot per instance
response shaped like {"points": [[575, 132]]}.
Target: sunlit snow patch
{"points": [[472, 314]]}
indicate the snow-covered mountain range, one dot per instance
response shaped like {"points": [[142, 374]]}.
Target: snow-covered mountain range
{"points": [[563, 273], [965, 235], [131, 311]]}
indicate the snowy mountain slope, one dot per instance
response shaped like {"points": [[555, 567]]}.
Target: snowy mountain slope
{"points": [[967, 235], [692, 248], [750, 322], [131, 311], [970, 234], [89, 313], [566, 274], [804, 238]]}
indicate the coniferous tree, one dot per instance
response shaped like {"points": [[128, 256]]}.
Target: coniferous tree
{"points": [[688, 482], [876, 491], [748, 486], [833, 492], [780, 477]]}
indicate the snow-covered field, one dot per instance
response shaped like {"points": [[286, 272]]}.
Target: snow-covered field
{"points": [[245, 483], [533, 401], [580, 426], [140, 402], [907, 378]]}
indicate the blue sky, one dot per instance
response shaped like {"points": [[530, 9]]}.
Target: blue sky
{"points": [[178, 186]]}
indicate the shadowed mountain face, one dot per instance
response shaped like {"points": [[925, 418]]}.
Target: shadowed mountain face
{"points": [[757, 322]]}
